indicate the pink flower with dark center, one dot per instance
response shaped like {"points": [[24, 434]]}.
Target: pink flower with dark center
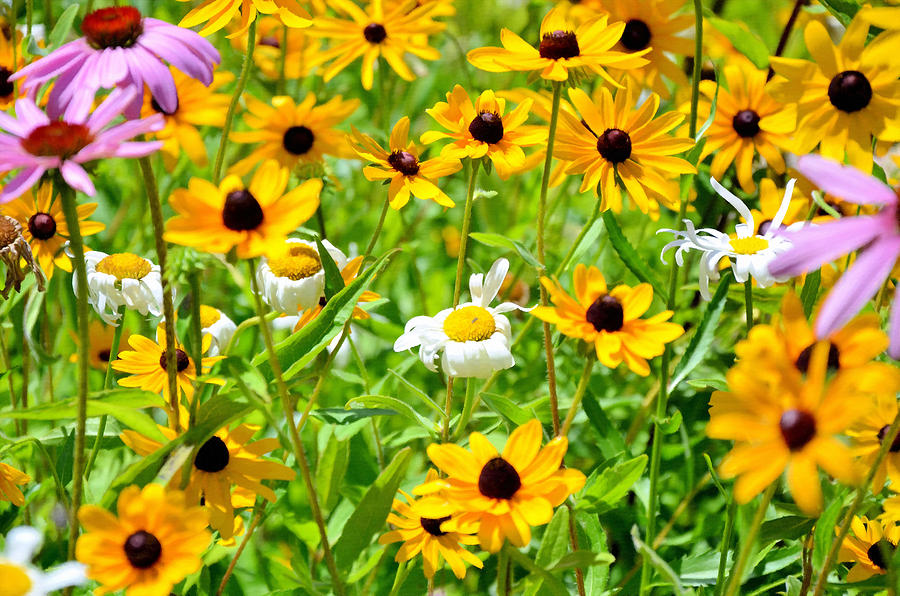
{"points": [[36, 144], [876, 237], [120, 48]]}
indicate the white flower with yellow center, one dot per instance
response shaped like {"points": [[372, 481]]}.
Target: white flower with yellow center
{"points": [[18, 577], [473, 338], [122, 279], [294, 280], [217, 324], [749, 254]]}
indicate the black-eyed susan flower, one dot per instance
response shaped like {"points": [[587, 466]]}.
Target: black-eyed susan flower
{"points": [[22, 578], [747, 121], [867, 435], [253, 220], [617, 140], [609, 319], [10, 481], [294, 134], [349, 272], [291, 277], [483, 129], [401, 166], [563, 46], [436, 539], [377, 31], [216, 14], [846, 96], [11, 60], [44, 226], [14, 251], [121, 279], [147, 361], [301, 56], [506, 493], [227, 458], [868, 548], [770, 200], [100, 341], [218, 326], [153, 543]]}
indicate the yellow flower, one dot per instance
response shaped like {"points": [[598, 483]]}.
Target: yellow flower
{"points": [[44, 225], [505, 493], [198, 105], [225, 459], [868, 434], [153, 543], [616, 140], [10, 480], [11, 60], [218, 13], [770, 199], [302, 55], [348, 273], [747, 121], [563, 46], [294, 134], [609, 319], [254, 220], [374, 32], [100, 340], [484, 130], [864, 547], [846, 96], [400, 164]]}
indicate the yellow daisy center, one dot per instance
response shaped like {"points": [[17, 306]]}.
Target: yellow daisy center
{"points": [[300, 262], [209, 316], [749, 246], [469, 323], [15, 581], [125, 265]]}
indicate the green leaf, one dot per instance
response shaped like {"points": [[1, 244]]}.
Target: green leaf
{"points": [[331, 470], [417, 392], [608, 438], [602, 492], [582, 559], [587, 242], [554, 545], [334, 281], [670, 424], [695, 156], [789, 527], [498, 241], [824, 533], [843, 10], [658, 563], [629, 256], [507, 408], [597, 577], [395, 406], [810, 291], [62, 27], [743, 40], [371, 512], [349, 415]]}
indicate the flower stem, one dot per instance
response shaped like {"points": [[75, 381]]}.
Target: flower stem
{"points": [[584, 230], [377, 232], [257, 518], [107, 384], [726, 545], [196, 339], [235, 98], [749, 541], [503, 571], [299, 452], [748, 302], [464, 232], [400, 577], [468, 407], [786, 34], [76, 243], [579, 395]]}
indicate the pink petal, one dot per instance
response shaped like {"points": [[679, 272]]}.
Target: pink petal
{"points": [[845, 182], [22, 182], [77, 178], [814, 245], [894, 349]]}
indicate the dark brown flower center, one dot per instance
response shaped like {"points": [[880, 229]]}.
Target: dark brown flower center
{"points": [[212, 456], [323, 301], [606, 314], [103, 355], [798, 428], [636, 35], [142, 549], [242, 211], [59, 139], [558, 45], [487, 127], [298, 140], [159, 109], [746, 123], [850, 91], [433, 525], [374, 33], [877, 551], [834, 358], [113, 27], [42, 226], [181, 358], [6, 86], [614, 145], [882, 433], [498, 479], [404, 162], [270, 40], [764, 227]]}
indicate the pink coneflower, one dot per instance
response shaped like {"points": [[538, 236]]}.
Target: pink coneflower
{"points": [[877, 237], [37, 144], [120, 49]]}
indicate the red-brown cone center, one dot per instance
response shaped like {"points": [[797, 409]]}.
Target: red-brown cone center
{"points": [[58, 138], [113, 27]]}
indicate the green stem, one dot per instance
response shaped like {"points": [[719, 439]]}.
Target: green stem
{"points": [[377, 232], [726, 545], [750, 540], [468, 407], [464, 232], [579, 395], [235, 98], [748, 302], [29, 18], [584, 230], [196, 339], [282, 61], [503, 571], [400, 577], [107, 385]]}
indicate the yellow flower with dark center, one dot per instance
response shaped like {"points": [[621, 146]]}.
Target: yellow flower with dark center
{"points": [[216, 14], [294, 134], [770, 199], [747, 121], [225, 459], [610, 319], [505, 493], [400, 164], [870, 548], [301, 56], [254, 220], [484, 130], [868, 434], [44, 225], [100, 340], [377, 31], [11, 60], [348, 273], [614, 140], [846, 96], [10, 480], [563, 46], [153, 543]]}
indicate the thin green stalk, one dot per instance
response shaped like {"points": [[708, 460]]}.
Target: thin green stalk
{"points": [[579, 395], [7, 368], [282, 61], [107, 384], [235, 98], [76, 244], [464, 232], [29, 17], [584, 230], [725, 546], [299, 452], [399, 577], [377, 232], [503, 572], [323, 374], [196, 339], [749, 541], [257, 518], [468, 407], [748, 302]]}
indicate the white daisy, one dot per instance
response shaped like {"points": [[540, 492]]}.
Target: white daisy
{"points": [[122, 279], [294, 281], [217, 324], [473, 337], [21, 578], [749, 254]]}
